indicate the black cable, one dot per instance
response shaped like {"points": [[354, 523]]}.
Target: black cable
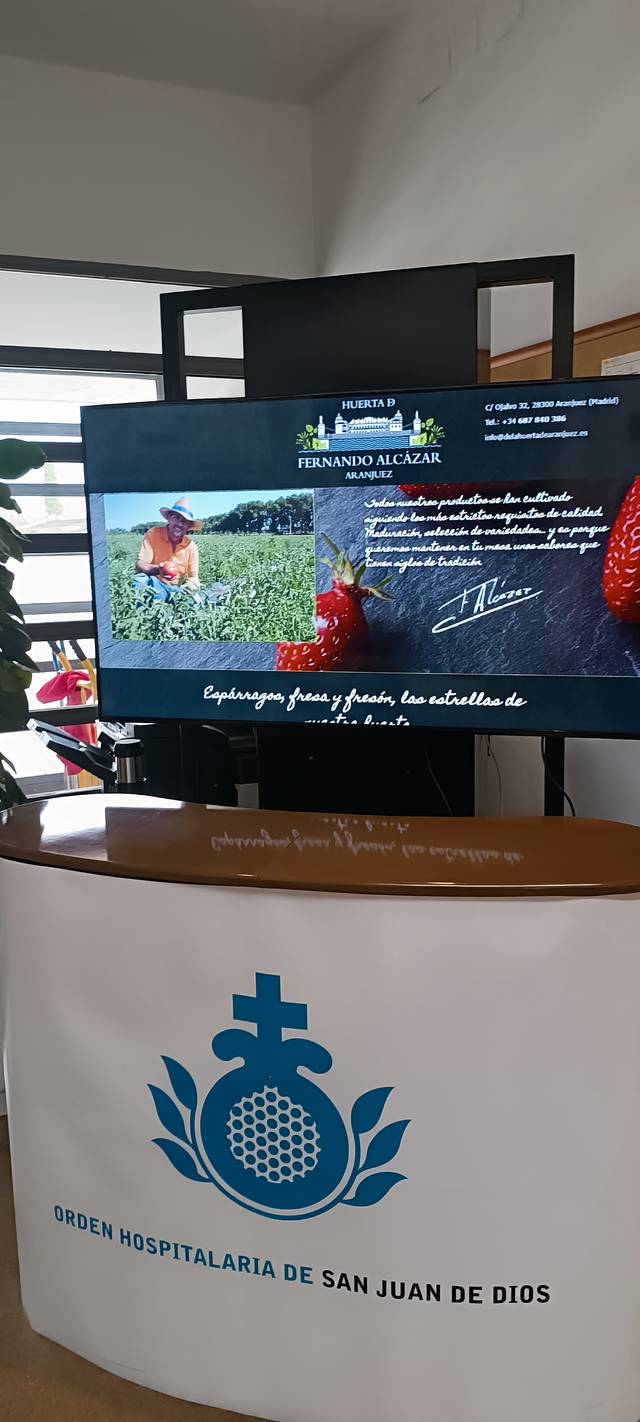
{"points": [[554, 781], [492, 756], [437, 784]]}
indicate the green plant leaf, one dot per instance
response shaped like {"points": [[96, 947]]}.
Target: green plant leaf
{"points": [[9, 607], [20, 667], [332, 546], [13, 674], [10, 792], [8, 682], [18, 456], [6, 499], [23, 638], [10, 542], [14, 677], [16, 666], [14, 641], [13, 711]]}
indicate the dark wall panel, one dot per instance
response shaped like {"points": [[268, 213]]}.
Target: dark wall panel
{"points": [[366, 332], [375, 331]]}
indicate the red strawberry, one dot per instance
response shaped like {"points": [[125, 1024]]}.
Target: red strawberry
{"points": [[343, 632], [621, 567], [447, 491]]}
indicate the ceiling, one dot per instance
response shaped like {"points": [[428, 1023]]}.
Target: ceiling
{"points": [[274, 49]]}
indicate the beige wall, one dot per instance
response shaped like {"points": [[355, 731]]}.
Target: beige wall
{"points": [[107, 169], [485, 130]]}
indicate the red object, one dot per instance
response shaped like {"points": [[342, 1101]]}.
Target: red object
{"points": [[448, 491], [621, 567], [68, 687], [343, 632]]}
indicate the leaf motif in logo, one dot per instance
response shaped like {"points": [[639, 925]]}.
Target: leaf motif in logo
{"points": [[180, 1159], [374, 1188], [385, 1145], [168, 1113], [182, 1082], [368, 1109]]}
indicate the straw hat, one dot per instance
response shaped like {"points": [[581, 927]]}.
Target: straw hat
{"points": [[183, 507]]}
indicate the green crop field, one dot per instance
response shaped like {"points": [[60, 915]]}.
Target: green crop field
{"points": [[271, 597]]}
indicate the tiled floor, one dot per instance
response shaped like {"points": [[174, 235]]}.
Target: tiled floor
{"points": [[40, 1382]]}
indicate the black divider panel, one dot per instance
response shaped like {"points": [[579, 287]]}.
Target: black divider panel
{"points": [[375, 331]]}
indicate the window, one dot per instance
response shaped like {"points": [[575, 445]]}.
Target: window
{"points": [[204, 387], [79, 340]]}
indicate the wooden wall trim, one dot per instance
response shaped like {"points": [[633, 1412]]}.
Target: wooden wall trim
{"points": [[589, 333]]}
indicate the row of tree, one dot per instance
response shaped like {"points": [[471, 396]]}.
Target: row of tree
{"points": [[293, 513]]}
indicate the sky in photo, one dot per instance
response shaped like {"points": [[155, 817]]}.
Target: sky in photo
{"points": [[126, 510]]}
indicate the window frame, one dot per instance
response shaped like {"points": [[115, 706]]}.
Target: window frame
{"points": [[52, 360]]}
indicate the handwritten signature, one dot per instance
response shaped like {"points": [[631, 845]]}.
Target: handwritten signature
{"points": [[480, 601]]}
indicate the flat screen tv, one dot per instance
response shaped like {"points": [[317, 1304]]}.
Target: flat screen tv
{"points": [[456, 558]]}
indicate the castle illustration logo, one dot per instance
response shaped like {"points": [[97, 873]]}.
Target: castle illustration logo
{"points": [[266, 1137], [380, 432]]}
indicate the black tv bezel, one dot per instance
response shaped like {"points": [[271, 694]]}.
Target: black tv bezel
{"points": [[535, 732]]}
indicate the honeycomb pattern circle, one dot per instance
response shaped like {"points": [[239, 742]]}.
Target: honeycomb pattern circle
{"points": [[273, 1137]]}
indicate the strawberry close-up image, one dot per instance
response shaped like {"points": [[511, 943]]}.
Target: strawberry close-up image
{"points": [[446, 491], [621, 568], [343, 630]]}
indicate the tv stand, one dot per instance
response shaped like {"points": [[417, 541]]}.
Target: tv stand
{"points": [[367, 770]]}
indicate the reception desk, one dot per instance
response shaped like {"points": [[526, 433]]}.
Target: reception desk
{"points": [[324, 1119]]}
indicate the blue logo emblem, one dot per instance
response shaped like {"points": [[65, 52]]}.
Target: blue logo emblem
{"points": [[268, 1138]]}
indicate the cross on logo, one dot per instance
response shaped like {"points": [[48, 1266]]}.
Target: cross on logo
{"points": [[268, 1011]]}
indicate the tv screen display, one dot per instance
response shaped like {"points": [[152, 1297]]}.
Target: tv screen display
{"points": [[462, 558]]}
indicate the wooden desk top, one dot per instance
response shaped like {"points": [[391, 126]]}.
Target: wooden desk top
{"points": [[136, 837]]}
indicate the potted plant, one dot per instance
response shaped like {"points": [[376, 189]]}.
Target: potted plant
{"points": [[16, 666]]}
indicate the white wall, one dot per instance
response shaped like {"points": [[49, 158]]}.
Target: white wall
{"points": [[108, 169], [525, 144], [486, 129]]}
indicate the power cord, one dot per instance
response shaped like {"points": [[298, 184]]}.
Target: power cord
{"points": [[437, 784], [492, 756], [552, 777]]}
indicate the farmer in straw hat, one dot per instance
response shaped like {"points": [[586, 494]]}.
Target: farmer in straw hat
{"points": [[168, 560]]}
